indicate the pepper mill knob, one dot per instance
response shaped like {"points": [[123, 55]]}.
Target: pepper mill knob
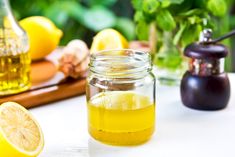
{"points": [[206, 35]]}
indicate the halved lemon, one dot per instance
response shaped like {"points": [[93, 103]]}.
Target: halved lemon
{"points": [[108, 39], [20, 134]]}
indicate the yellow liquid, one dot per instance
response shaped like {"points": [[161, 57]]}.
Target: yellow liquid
{"points": [[121, 118], [14, 73]]}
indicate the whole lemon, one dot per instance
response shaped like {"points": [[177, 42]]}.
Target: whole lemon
{"points": [[43, 35]]}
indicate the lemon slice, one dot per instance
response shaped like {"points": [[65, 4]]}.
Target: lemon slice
{"points": [[20, 134], [108, 39]]}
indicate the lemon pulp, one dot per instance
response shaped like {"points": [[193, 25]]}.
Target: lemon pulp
{"points": [[20, 135], [121, 118]]}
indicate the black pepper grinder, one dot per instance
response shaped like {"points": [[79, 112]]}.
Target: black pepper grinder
{"points": [[205, 86]]}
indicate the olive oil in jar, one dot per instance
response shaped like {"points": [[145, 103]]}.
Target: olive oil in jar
{"points": [[121, 117], [14, 73]]}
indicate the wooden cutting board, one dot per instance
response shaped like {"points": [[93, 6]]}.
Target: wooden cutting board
{"points": [[48, 84]]}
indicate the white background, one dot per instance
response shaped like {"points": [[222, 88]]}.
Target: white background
{"points": [[180, 132]]}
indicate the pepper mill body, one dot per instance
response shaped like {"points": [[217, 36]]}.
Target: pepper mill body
{"points": [[205, 92], [205, 86]]}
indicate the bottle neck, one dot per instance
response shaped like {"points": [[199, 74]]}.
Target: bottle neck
{"points": [[5, 12], [13, 39], [3, 3], [4, 7]]}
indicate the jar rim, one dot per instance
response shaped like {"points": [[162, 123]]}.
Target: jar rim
{"points": [[120, 62], [118, 53]]}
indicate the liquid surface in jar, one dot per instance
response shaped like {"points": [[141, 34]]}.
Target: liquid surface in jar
{"points": [[14, 73], [121, 117]]}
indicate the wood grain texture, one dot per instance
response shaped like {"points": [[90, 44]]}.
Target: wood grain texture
{"points": [[48, 94], [48, 84]]}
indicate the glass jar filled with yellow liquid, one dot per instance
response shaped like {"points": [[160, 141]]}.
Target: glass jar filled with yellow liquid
{"points": [[14, 57], [121, 97]]}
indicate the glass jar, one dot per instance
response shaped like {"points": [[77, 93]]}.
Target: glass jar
{"points": [[121, 97], [14, 57]]}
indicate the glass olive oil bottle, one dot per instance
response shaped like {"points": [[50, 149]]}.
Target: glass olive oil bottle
{"points": [[14, 57]]}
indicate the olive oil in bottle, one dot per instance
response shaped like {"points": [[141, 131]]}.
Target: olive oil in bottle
{"points": [[14, 73], [14, 57]]}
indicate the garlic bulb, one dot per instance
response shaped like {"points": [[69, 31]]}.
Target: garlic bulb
{"points": [[75, 59]]}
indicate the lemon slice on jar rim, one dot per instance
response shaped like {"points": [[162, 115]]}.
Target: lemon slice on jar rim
{"points": [[20, 134]]}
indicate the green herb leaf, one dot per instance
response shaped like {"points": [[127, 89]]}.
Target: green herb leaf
{"points": [[179, 33], [101, 2], [200, 4], [165, 3], [142, 30], [150, 6], [191, 34], [181, 7], [138, 16], [137, 4], [217, 7], [191, 12], [165, 20], [173, 1], [194, 19]]}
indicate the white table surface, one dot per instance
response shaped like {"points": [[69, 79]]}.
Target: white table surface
{"points": [[180, 131]]}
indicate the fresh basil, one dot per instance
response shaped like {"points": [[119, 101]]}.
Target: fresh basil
{"points": [[137, 4], [150, 6], [217, 7], [142, 30], [165, 20], [183, 19]]}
